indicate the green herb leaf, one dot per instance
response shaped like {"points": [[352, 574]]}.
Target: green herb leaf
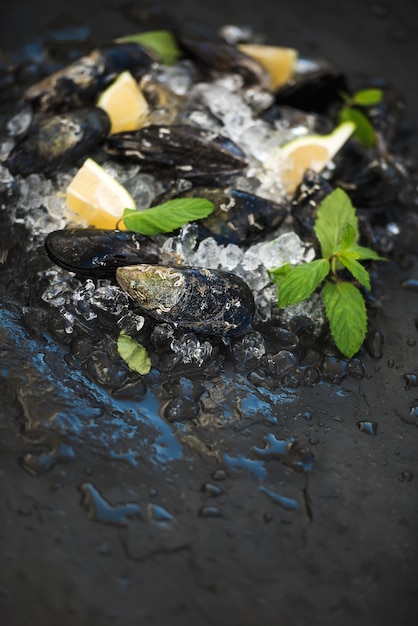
{"points": [[367, 97], [365, 254], [364, 130], [346, 312], [134, 354], [162, 42], [166, 217], [334, 212], [279, 273], [349, 237], [301, 281], [356, 269]]}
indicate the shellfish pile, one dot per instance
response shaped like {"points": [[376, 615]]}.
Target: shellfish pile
{"points": [[213, 131]]}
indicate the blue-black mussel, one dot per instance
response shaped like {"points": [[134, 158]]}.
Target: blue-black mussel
{"points": [[239, 217], [53, 141], [80, 82], [95, 252], [179, 150], [206, 301]]}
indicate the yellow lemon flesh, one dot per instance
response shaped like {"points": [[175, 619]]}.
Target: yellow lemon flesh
{"points": [[124, 103], [311, 152], [97, 197], [279, 62]]}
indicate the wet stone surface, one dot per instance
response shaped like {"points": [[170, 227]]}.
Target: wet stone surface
{"points": [[232, 485]]}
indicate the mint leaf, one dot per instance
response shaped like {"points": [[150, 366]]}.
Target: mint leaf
{"points": [[365, 254], [364, 130], [349, 237], [356, 269], [279, 273], [134, 354], [346, 312], [367, 97], [334, 212], [166, 217], [301, 281], [162, 42]]}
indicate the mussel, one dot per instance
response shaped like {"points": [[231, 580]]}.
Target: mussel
{"points": [[223, 57], [56, 140], [203, 300], [239, 216], [369, 176], [80, 82], [95, 252], [314, 86], [180, 150]]}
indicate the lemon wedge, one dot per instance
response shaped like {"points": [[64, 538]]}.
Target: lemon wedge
{"points": [[97, 197], [311, 152], [124, 103], [279, 62]]}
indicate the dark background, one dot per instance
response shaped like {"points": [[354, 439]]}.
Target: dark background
{"points": [[356, 563]]}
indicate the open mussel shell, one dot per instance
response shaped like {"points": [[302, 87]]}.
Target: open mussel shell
{"points": [[203, 300], [56, 140], [80, 82], [180, 150], [99, 252]]}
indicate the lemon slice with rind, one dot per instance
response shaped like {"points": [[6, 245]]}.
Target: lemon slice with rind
{"points": [[311, 152], [279, 62], [97, 197], [124, 103]]}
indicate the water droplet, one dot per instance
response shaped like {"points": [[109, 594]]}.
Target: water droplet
{"points": [[410, 283], [313, 441], [411, 380], [292, 453], [287, 503], [411, 342], [25, 511], [158, 513], [99, 510], [367, 427], [209, 489], [268, 518], [406, 477], [43, 463], [210, 511], [374, 344], [104, 549], [391, 363], [219, 474], [241, 462]]}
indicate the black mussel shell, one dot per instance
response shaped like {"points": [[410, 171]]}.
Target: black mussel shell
{"points": [[80, 82], [223, 57], [239, 217], [206, 301], [56, 140], [99, 252], [369, 177], [183, 151], [314, 86]]}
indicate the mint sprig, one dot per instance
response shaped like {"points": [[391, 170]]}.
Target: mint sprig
{"points": [[336, 228], [168, 216], [350, 112], [162, 42]]}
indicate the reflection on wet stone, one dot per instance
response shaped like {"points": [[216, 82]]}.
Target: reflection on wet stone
{"points": [[43, 463], [368, 427]]}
